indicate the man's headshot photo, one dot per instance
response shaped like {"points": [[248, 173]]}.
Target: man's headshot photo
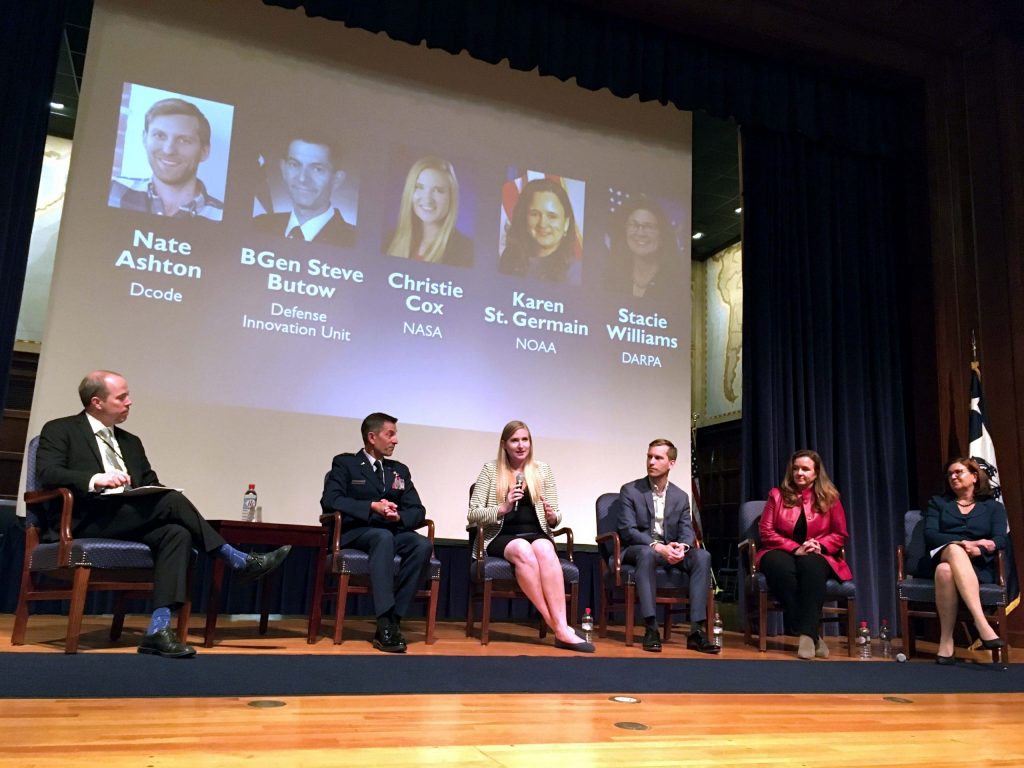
{"points": [[179, 168], [305, 193]]}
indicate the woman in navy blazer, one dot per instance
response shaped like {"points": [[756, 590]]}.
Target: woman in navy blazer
{"points": [[803, 532], [963, 528]]}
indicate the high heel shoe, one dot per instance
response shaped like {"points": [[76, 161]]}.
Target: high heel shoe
{"points": [[993, 644], [945, 661]]}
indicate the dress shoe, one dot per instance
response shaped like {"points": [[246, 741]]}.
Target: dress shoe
{"points": [[945, 661], [652, 640], [164, 642], [583, 647], [698, 641], [993, 644], [259, 565], [389, 639]]}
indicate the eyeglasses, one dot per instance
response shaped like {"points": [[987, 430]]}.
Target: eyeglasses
{"points": [[958, 472]]}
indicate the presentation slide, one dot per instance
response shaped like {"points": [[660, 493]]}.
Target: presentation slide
{"points": [[276, 225]]}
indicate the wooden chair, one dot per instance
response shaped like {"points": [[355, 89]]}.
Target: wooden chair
{"points": [[70, 568], [916, 595], [491, 578], [840, 596], [348, 573], [618, 580]]}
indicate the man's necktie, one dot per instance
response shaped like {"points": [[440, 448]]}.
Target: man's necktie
{"points": [[378, 467], [107, 436], [296, 234]]}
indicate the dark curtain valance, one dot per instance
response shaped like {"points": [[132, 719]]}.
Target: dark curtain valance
{"points": [[603, 50]]}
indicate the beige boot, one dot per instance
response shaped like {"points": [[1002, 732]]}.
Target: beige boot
{"points": [[820, 649]]}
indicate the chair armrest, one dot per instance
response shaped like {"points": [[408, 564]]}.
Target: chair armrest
{"points": [[333, 519], [750, 547], [901, 565], [567, 532], [478, 547], [1001, 568], [64, 527], [613, 537], [429, 525]]}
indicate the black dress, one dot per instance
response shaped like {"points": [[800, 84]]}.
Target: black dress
{"points": [[521, 523]]}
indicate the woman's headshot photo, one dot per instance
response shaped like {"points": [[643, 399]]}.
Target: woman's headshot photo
{"points": [[427, 217], [644, 256], [543, 235]]}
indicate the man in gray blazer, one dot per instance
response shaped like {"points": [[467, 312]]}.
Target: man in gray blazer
{"points": [[656, 531]]}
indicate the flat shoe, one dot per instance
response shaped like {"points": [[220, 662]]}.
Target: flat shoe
{"points": [[821, 649], [945, 661], [805, 650], [583, 647]]}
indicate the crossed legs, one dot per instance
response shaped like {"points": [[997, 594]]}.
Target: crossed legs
{"points": [[539, 575], [955, 580]]}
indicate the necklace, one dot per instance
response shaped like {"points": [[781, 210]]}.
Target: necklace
{"points": [[965, 504]]}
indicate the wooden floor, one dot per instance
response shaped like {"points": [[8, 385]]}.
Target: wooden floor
{"points": [[532, 731]]}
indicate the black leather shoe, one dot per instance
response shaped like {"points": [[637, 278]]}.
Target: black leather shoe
{"points": [[652, 640], [995, 642], [389, 639], [164, 642], [945, 661], [259, 565], [698, 641]]}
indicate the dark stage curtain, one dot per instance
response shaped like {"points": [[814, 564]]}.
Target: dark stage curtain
{"points": [[822, 363], [29, 40]]}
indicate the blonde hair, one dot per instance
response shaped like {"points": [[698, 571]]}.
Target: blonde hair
{"points": [[409, 231], [506, 478]]}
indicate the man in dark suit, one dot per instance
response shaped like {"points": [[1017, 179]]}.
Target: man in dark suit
{"points": [[380, 511], [656, 531], [100, 462], [311, 173]]}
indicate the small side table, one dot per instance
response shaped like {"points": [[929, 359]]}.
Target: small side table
{"points": [[237, 532]]}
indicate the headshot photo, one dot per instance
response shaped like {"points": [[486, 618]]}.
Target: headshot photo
{"points": [[644, 255], [542, 227], [172, 154], [307, 195], [427, 227]]}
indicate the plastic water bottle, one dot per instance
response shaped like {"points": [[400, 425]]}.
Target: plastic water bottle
{"points": [[716, 631], [587, 625], [864, 640], [885, 639], [249, 504]]}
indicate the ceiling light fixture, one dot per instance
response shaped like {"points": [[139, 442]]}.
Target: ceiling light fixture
{"points": [[698, 235]]}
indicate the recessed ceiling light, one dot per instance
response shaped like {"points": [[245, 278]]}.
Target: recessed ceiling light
{"points": [[56, 105], [739, 210], [698, 235]]}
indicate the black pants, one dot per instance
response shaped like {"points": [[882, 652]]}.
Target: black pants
{"points": [[167, 523], [798, 583], [382, 545]]}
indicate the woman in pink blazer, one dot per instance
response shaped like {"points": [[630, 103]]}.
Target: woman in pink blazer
{"points": [[803, 532]]}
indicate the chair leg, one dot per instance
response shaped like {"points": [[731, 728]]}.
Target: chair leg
{"points": [[470, 620], [117, 625], [762, 622], [630, 612], [602, 613], [184, 617], [435, 588], [906, 629], [316, 603], [21, 614], [79, 587], [851, 620], [339, 609], [485, 613]]}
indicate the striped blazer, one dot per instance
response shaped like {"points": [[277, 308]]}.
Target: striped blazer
{"points": [[483, 506]]}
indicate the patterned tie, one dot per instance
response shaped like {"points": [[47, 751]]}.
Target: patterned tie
{"points": [[107, 436], [378, 467]]}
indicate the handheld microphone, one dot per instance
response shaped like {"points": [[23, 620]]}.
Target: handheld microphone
{"points": [[519, 484]]}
